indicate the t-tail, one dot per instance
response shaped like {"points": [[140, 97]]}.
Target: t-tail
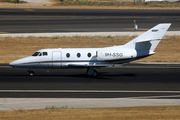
{"points": [[146, 43]]}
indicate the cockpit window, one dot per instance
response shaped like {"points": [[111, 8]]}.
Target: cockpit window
{"points": [[45, 54], [36, 54], [40, 54]]}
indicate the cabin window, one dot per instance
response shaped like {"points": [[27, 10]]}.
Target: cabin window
{"points": [[45, 54], [89, 54], [78, 55], [36, 54], [67, 55]]}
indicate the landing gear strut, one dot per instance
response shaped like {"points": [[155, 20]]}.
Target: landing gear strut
{"points": [[95, 73], [92, 72], [30, 73]]}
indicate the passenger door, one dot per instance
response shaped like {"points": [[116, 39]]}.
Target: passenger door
{"points": [[56, 59]]}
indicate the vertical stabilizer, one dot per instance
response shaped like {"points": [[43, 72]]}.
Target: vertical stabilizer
{"points": [[149, 40]]}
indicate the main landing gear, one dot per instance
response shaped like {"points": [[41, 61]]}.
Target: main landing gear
{"points": [[30, 73], [91, 72]]}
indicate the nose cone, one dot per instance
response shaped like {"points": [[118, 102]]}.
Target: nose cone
{"points": [[12, 63], [15, 63], [19, 62]]}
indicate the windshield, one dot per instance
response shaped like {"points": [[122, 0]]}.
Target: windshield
{"points": [[36, 54]]}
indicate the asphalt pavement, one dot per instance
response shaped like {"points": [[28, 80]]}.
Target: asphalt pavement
{"points": [[133, 85], [134, 80], [74, 20]]}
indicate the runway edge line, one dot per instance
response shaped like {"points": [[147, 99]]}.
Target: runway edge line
{"points": [[83, 34]]}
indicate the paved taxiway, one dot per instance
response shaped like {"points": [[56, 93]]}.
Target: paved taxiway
{"points": [[134, 80], [74, 20], [133, 85]]}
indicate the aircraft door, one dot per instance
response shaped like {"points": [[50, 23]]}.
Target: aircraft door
{"points": [[56, 59]]}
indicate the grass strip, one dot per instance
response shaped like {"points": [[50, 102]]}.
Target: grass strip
{"points": [[120, 113], [11, 49], [115, 3], [97, 4]]}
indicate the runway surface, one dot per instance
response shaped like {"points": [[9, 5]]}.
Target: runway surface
{"points": [[73, 20], [134, 81]]}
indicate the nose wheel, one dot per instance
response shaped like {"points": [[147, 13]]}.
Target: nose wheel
{"points": [[30, 73]]}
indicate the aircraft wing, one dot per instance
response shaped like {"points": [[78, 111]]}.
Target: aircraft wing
{"points": [[87, 66]]}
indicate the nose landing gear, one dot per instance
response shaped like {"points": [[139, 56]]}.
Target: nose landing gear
{"points": [[30, 73]]}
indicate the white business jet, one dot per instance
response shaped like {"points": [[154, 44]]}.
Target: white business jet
{"points": [[90, 58]]}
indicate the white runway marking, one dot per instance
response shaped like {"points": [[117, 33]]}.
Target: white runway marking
{"points": [[85, 34], [154, 97], [88, 91]]}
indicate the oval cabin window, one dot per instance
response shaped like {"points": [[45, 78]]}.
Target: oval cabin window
{"points": [[67, 55], [89, 54], [78, 55]]}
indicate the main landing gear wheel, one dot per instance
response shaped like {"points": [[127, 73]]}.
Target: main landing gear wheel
{"points": [[95, 73], [30, 73], [91, 72]]}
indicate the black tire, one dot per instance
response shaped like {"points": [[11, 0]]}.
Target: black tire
{"points": [[31, 73], [95, 73]]}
